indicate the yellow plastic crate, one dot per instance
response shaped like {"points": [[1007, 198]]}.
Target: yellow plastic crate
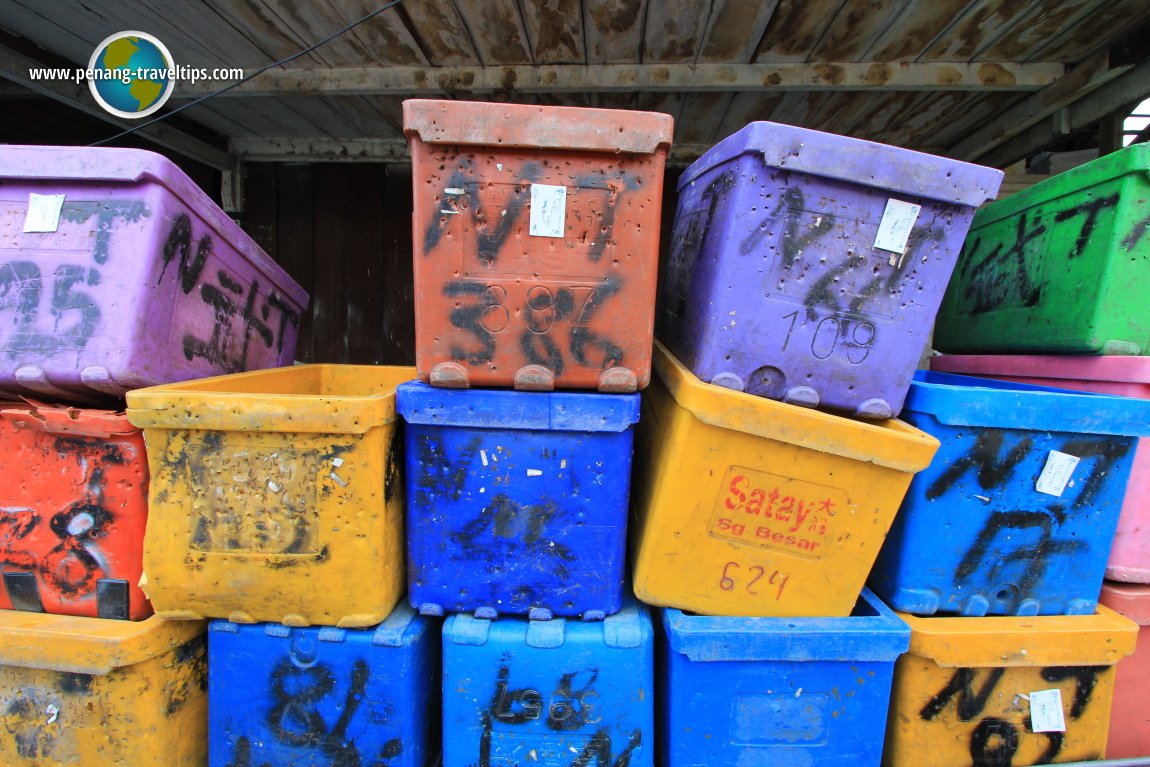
{"points": [[102, 692], [962, 693], [747, 506], [275, 495]]}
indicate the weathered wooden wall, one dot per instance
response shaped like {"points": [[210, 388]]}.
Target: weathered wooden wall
{"points": [[343, 231]]}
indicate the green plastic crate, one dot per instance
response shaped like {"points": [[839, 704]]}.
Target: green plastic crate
{"points": [[1061, 267]]}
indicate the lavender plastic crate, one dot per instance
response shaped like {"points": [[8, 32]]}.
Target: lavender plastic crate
{"points": [[141, 280], [809, 267]]}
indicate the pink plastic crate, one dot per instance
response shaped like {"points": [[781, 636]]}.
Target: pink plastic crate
{"points": [[1123, 376], [1130, 717]]}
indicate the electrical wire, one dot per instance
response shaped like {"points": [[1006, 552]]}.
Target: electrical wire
{"points": [[253, 75]]}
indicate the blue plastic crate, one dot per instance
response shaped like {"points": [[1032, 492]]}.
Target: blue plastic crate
{"points": [[777, 691], [556, 693], [516, 501], [297, 697], [975, 534]]}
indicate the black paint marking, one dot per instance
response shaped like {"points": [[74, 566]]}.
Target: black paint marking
{"points": [[243, 754], [75, 683], [1002, 277], [192, 677], [1137, 232], [25, 720], [1085, 678], [293, 718], [217, 349], [1090, 210], [489, 240], [1107, 451], [582, 337], [469, 317], [970, 704], [106, 214], [1035, 558], [994, 743], [984, 455]]}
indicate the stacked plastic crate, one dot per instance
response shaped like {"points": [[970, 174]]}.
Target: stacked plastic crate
{"points": [[1047, 293], [117, 272], [805, 271], [536, 251]]}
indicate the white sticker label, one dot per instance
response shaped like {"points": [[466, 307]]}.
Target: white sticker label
{"points": [[1046, 711], [43, 212], [894, 229], [1057, 472], [548, 210]]}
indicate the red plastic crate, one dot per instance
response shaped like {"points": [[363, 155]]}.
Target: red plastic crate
{"points": [[73, 505], [536, 237]]}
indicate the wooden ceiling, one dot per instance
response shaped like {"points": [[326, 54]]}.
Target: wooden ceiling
{"points": [[985, 80]]}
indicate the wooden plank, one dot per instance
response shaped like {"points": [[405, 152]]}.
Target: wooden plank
{"points": [[976, 112], [734, 30], [188, 48], [1098, 29], [700, 117], [440, 31], [219, 121], [260, 202], [335, 262], [554, 30], [617, 100], [746, 108], [797, 108], [981, 21], [795, 29], [262, 27], [614, 30], [891, 110], [255, 120], [395, 81], [1045, 20], [831, 116], [263, 149], [1129, 88], [315, 112], [363, 115], [673, 32], [295, 242], [397, 341], [918, 132], [366, 287], [382, 39], [1091, 74], [915, 29], [74, 39], [496, 26], [856, 26]]}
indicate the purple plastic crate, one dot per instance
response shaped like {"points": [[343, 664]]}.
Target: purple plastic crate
{"points": [[785, 278], [141, 280]]}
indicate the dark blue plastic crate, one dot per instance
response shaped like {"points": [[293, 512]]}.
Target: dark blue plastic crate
{"points": [[552, 693], [777, 691], [974, 535], [298, 697], [516, 501]]}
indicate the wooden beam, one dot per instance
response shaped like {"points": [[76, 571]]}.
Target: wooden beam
{"points": [[427, 81], [371, 150], [16, 66], [1085, 78], [1130, 87]]}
